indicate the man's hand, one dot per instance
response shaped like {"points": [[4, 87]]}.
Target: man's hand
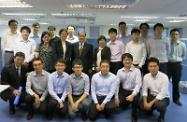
{"points": [[37, 101], [97, 69], [16, 93], [117, 102], [102, 106], [90, 71], [61, 105], [25, 63], [98, 107], [147, 106], [130, 98]]}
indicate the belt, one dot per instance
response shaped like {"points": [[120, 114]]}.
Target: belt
{"points": [[9, 51], [135, 64], [174, 62], [116, 62]]}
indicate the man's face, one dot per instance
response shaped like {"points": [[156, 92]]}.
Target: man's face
{"points": [[153, 68], [112, 35], [13, 26], [60, 67], [144, 30], [77, 69], [18, 60], [122, 28], [37, 66], [52, 32], [36, 29], [82, 36], [71, 30], [104, 68], [135, 36], [158, 31], [174, 35], [25, 34], [127, 62]]}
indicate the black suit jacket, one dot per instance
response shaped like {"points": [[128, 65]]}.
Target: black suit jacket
{"points": [[58, 53], [86, 56], [105, 54], [9, 76]]}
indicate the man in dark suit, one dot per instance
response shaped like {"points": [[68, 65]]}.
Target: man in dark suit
{"points": [[14, 75], [83, 51]]}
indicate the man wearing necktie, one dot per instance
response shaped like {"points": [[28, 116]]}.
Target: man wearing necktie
{"points": [[14, 75]]}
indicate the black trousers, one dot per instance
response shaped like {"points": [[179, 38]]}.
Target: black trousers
{"points": [[175, 72], [10, 96], [109, 107], [29, 100], [145, 68], [124, 103], [160, 106], [164, 68], [115, 66], [53, 104]]}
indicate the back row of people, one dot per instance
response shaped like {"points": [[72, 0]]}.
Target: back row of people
{"points": [[108, 91]]}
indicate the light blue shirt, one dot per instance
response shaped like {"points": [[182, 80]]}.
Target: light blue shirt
{"points": [[124, 39], [37, 39], [103, 86], [158, 85], [57, 85], [158, 48], [178, 52], [131, 80], [78, 86]]}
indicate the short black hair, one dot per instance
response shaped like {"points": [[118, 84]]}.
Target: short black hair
{"points": [[153, 59], [37, 59], [81, 32], [19, 54], [142, 24], [25, 28], [105, 61], [158, 25], [101, 37], [61, 30], [135, 31], [43, 34], [128, 55], [122, 23], [36, 24], [51, 28], [112, 30], [61, 60], [174, 30], [71, 26], [77, 62], [11, 21]]}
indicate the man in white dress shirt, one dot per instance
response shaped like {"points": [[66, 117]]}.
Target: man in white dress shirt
{"points": [[157, 84], [71, 37], [8, 42]]}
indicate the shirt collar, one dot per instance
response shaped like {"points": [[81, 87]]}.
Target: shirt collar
{"points": [[137, 42], [76, 77], [35, 74], [71, 38], [59, 75], [17, 67], [111, 42], [159, 38], [25, 41], [156, 75], [13, 34], [104, 76], [176, 42], [131, 69]]}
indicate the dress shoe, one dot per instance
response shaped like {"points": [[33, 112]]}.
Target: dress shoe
{"points": [[178, 103], [149, 113], [160, 119], [134, 118], [84, 116], [49, 117], [12, 111], [29, 116], [107, 116]]}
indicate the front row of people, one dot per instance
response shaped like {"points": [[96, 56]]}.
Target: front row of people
{"points": [[108, 91]]}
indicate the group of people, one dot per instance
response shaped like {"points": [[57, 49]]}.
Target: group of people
{"points": [[56, 72]]}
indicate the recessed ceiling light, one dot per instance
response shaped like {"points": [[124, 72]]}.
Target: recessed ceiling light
{"points": [[141, 20], [94, 6], [70, 14], [29, 19], [43, 23], [176, 18], [13, 4], [24, 14], [177, 21], [140, 17]]}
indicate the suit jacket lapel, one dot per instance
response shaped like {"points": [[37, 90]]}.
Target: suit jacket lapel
{"points": [[13, 68]]}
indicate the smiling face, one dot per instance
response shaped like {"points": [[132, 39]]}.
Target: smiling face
{"points": [[63, 35], [82, 37], [77, 69], [105, 67], [25, 34], [13, 26]]}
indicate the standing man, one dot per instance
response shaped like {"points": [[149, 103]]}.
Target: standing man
{"points": [[123, 34], [14, 75], [159, 47], [57, 90], [177, 55], [128, 88], [117, 49], [71, 34], [157, 84], [36, 88], [102, 89], [83, 51], [137, 49], [78, 86], [35, 36], [52, 32], [27, 46], [8, 42]]}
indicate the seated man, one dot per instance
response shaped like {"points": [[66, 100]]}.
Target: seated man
{"points": [[157, 84], [14, 75], [57, 90], [102, 89], [78, 86], [131, 82], [36, 88]]}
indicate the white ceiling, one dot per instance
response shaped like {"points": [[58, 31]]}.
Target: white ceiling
{"points": [[159, 8]]}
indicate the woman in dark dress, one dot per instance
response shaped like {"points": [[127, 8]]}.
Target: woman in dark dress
{"points": [[44, 51]]}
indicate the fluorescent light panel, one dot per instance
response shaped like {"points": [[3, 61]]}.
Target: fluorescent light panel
{"points": [[176, 18], [140, 17], [29, 19], [73, 14], [94, 6], [24, 14], [177, 21], [13, 4]]}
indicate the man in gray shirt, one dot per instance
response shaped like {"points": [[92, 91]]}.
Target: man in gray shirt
{"points": [[78, 85], [36, 88]]}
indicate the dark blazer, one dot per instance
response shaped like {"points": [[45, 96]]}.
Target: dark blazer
{"points": [[9, 76], [86, 57], [105, 54]]}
